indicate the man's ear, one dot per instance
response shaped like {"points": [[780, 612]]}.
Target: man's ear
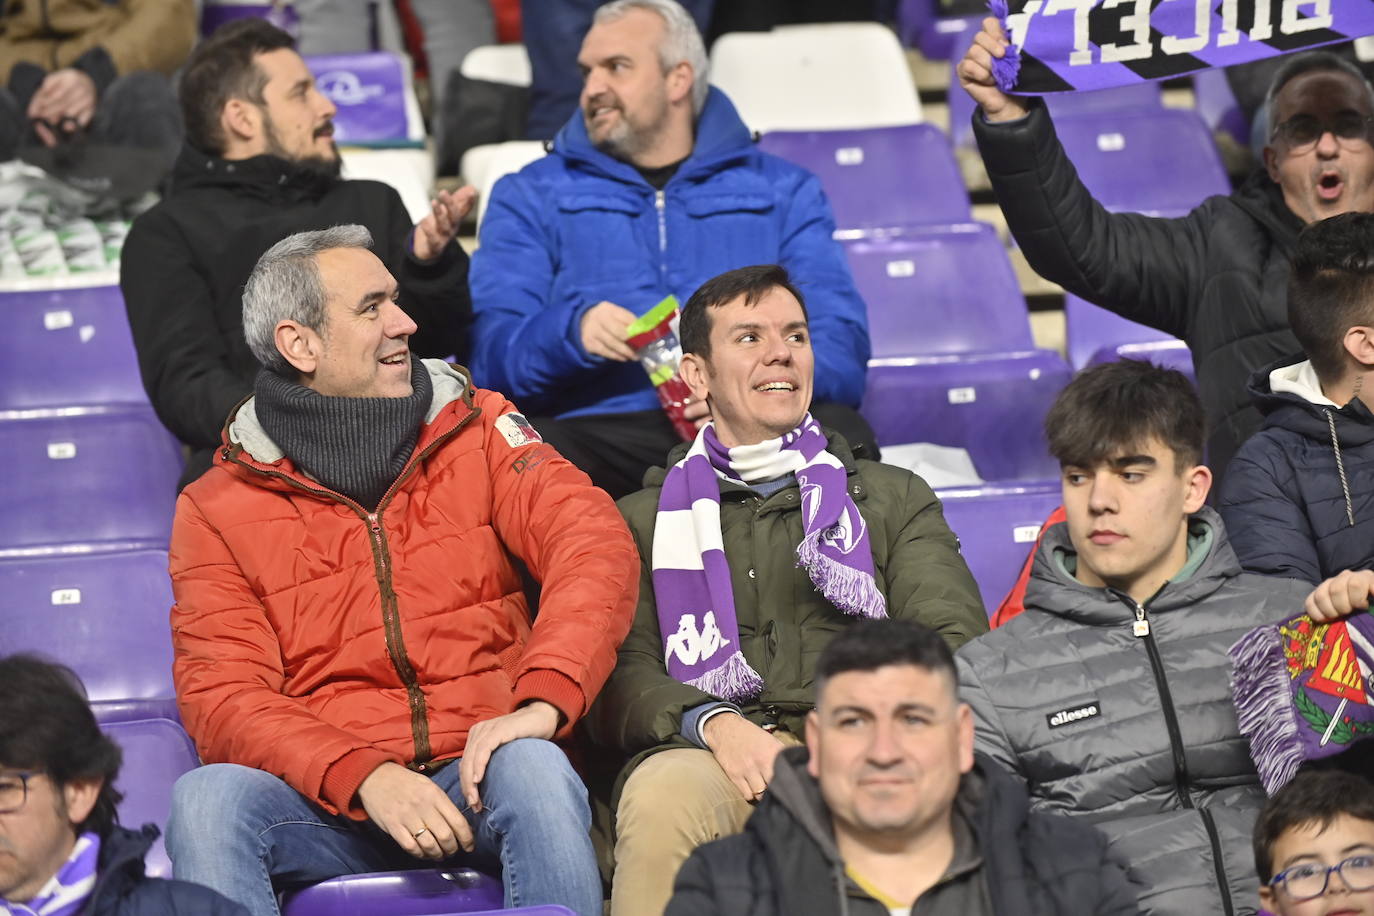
{"points": [[241, 120], [301, 346], [1359, 343], [693, 372], [1271, 163], [1197, 484], [966, 731], [813, 741], [80, 798], [680, 80]]}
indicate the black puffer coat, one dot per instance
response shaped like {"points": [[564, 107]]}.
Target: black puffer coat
{"points": [[1299, 497], [785, 863], [1132, 728], [1217, 278], [122, 889]]}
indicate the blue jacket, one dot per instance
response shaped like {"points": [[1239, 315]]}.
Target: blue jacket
{"points": [[579, 227], [1283, 497]]}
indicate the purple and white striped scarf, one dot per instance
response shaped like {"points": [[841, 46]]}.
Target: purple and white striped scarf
{"points": [[67, 891], [1063, 46], [696, 604]]}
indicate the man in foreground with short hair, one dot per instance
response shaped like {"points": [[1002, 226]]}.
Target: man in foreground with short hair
{"points": [[1299, 499], [1109, 696], [260, 164], [62, 850], [654, 187], [1314, 846], [1217, 277], [758, 543], [887, 810], [354, 652]]}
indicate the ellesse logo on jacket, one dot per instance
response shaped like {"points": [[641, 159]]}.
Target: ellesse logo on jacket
{"points": [[1088, 710]]}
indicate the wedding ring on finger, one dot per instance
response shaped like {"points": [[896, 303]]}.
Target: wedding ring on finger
{"points": [[419, 833]]}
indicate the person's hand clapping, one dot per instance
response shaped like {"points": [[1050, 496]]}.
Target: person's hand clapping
{"points": [[440, 225], [1340, 596], [975, 73]]}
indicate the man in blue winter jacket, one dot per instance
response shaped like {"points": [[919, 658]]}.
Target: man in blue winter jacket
{"points": [[654, 187]]}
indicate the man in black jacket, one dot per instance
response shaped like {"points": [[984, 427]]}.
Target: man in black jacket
{"points": [[1216, 277], [260, 164], [887, 809], [61, 851]]}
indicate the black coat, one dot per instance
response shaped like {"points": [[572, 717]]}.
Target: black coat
{"points": [[1217, 278], [785, 863], [185, 262], [1283, 499], [122, 889]]}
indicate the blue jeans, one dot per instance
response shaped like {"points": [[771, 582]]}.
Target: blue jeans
{"points": [[238, 829]]}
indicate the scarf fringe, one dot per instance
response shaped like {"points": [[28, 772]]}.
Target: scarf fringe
{"points": [[1263, 695], [731, 680], [851, 590], [1006, 69]]}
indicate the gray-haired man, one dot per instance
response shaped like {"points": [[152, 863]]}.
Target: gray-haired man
{"points": [[349, 623]]}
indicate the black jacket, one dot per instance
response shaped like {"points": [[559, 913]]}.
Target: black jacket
{"points": [[122, 889], [785, 863], [1299, 497], [185, 262], [1217, 278]]}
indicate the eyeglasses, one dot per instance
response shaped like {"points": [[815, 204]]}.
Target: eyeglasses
{"points": [[1301, 132], [1303, 882], [14, 791]]}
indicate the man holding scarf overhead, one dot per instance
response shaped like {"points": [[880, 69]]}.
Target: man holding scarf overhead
{"points": [[760, 541]]}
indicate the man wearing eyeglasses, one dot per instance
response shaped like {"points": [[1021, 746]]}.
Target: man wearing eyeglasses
{"points": [[1217, 277], [62, 850], [1314, 846]]}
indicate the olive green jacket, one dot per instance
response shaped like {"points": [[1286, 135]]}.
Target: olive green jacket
{"points": [[784, 622]]}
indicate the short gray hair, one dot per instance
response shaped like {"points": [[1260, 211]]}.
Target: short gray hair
{"points": [[1308, 62], [681, 42], [286, 285]]}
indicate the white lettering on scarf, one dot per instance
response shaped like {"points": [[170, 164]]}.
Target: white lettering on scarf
{"points": [[690, 646]]}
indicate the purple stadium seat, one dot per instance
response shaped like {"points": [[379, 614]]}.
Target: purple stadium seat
{"points": [[105, 615], [945, 290], [954, 361], [1217, 104], [66, 347], [879, 178], [997, 526], [156, 752], [369, 91], [423, 892], [216, 13], [1136, 97], [104, 478], [1095, 335], [920, 26], [1162, 162]]}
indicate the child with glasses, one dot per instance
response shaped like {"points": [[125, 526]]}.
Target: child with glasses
{"points": [[1314, 846]]}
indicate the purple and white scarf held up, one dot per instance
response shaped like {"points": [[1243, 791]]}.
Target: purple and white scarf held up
{"points": [[696, 603], [1074, 45]]}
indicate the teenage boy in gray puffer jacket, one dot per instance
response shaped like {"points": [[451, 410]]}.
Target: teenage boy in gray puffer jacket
{"points": [[1109, 697]]}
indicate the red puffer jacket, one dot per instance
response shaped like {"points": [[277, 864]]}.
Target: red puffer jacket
{"points": [[315, 640]]}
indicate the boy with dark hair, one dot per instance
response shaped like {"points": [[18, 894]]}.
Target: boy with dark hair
{"points": [[62, 851], [1314, 846], [887, 809], [1300, 493], [1108, 697]]}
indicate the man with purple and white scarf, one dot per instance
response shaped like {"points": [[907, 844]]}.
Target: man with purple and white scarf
{"points": [[761, 540], [62, 851]]}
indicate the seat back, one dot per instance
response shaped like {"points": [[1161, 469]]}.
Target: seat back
{"points": [[879, 177], [156, 753], [1134, 97], [942, 291], [372, 94], [103, 478], [817, 77], [997, 527], [1088, 328], [503, 159], [509, 63], [66, 347], [422, 892]]}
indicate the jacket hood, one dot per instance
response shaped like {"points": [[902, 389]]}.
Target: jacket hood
{"points": [[1286, 392], [267, 177], [245, 430], [721, 138], [1053, 590], [121, 856], [1262, 198], [835, 444]]}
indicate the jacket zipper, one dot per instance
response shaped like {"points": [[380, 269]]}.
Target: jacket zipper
{"points": [[391, 619], [1141, 629], [660, 204]]}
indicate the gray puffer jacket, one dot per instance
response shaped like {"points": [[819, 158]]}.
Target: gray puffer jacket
{"points": [[1122, 714]]}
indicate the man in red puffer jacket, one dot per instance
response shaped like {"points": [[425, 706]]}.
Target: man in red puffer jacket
{"points": [[354, 652]]}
